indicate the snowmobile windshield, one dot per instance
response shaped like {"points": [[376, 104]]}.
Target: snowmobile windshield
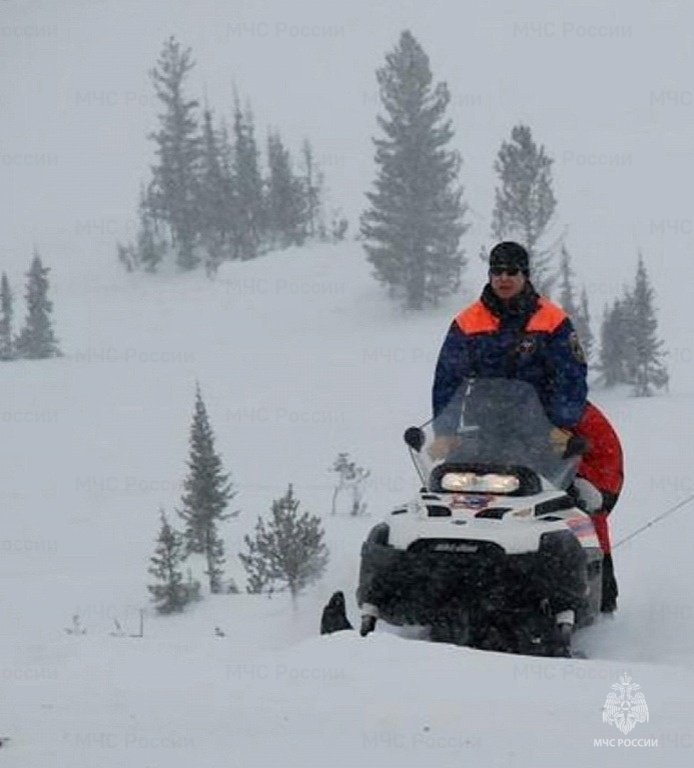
{"points": [[490, 422]]}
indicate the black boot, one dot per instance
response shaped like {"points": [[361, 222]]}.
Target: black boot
{"points": [[368, 624], [609, 586], [334, 617]]}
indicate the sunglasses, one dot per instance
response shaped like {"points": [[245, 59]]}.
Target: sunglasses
{"points": [[510, 271]]}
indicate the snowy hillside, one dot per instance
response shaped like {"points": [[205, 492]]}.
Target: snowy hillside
{"points": [[298, 359]]}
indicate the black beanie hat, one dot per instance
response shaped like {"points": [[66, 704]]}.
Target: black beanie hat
{"points": [[510, 254]]}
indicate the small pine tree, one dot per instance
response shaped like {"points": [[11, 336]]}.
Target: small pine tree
{"points": [[647, 370], [415, 222], [207, 494], [170, 593], [525, 202], [288, 551], [6, 315], [36, 340]]}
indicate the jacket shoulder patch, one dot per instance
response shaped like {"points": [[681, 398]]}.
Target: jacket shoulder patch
{"points": [[548, 317], [477, 319], [576, 348]]}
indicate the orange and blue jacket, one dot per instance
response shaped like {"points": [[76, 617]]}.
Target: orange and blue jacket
{"points": [[539, 346]]}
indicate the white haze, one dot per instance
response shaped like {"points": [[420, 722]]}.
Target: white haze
{"points": [[300, 356], [605, 87]]}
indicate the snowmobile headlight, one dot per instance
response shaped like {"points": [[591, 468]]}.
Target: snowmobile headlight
{"points": [[471, 482]]}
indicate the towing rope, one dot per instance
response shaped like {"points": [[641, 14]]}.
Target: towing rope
{"points": [[655, 520]]}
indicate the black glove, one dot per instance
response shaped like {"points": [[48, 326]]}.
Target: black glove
{"points": [[575, 446], [567, 444]]}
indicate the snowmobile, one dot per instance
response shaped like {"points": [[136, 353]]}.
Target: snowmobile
{"points": [[494, 552]]}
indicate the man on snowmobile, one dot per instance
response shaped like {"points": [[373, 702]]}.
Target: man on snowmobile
{"points": [[512, 332]]}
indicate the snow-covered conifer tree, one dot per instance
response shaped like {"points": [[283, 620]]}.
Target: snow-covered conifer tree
{"points": [[567, 296], [648, 370], [249, 202], [6, 315], [313, 188], [207, 492], [524, 201], [174, 189], [170, 594], [215, 204], [583, 327], [288, 551], [577, 310], [615, 343], [150, 248], [285, 199], [413, 227], [36, 340]]}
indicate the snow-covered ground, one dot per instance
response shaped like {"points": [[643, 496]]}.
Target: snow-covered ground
{"points": [[298, 358]]}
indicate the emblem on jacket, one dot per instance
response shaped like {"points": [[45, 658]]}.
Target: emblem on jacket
{"points": [[527, 345]]}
